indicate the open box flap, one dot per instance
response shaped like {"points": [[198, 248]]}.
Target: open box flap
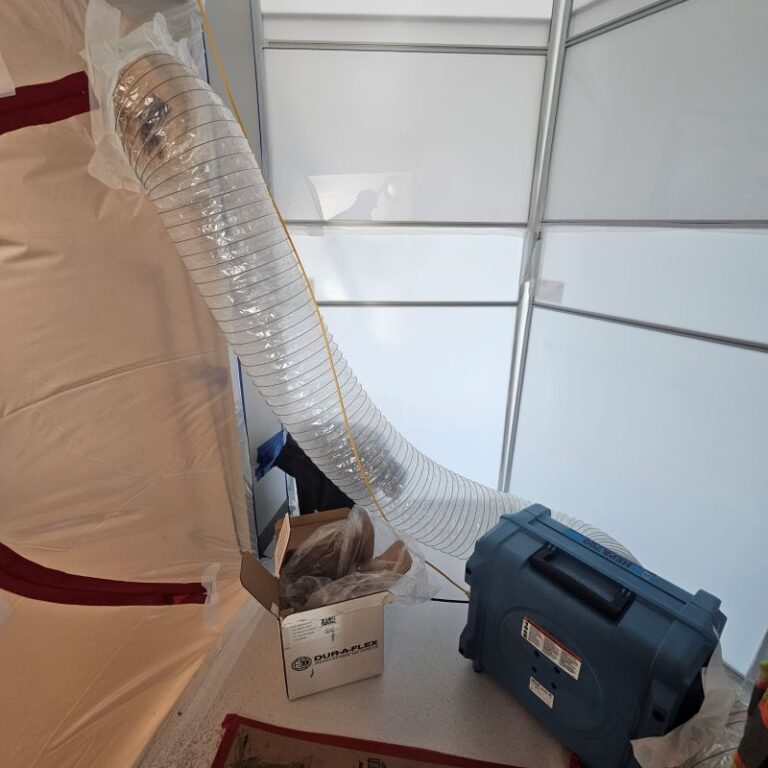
{"points": [[292, 532], [260, 582], [263, 585]]}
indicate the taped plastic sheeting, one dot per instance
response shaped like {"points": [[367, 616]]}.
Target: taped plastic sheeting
{"points": [[7, 88], [108, 52], [117, 459], [118, 454], [212, 595]]}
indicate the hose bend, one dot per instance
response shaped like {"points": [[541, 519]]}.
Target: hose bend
{"points": [[196, 166]]}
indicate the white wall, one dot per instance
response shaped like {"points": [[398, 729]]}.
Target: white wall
{"points": [[393, 136], [441, 22], [438, 374], [589, 14], [659, 437], [405, 264], [666, 118], [661, 441], [708, 280]]}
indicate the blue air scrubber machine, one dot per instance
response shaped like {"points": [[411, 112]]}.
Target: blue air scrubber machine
{"points": [[598, 649]]}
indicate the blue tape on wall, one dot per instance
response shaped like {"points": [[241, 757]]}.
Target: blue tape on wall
{"points": [[267, 453]]}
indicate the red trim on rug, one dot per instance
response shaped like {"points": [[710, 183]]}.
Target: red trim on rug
{"points": [[45, 102], [230, 725], [233, 722], [29, 579]]}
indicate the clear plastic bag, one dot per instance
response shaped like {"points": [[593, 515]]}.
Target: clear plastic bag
{"points": [[333, 550], [350, 558], [353, 585], [706, 739]]}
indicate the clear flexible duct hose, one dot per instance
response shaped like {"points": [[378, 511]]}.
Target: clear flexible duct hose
{"points": [[190, 154]]}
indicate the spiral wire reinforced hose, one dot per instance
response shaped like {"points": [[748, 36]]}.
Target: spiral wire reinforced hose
{"points": [[195, 164]]}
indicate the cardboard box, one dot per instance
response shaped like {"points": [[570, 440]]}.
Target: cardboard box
{"points": [[324, 647]]}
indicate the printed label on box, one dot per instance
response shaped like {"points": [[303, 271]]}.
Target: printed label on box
{"points": [[557, 653], [540, 692], [306, 628]]}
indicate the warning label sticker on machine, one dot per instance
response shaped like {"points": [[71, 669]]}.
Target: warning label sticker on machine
{"points": [[547, 645], [538, 690]]}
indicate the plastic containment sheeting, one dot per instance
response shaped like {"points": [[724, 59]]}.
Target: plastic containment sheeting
{"points": [[118, 456]]}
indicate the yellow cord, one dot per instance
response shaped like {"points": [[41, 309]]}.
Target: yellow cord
{"points": [[310, 290]]}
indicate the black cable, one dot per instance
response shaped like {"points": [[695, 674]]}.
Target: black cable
{"points": [[446, 600]]}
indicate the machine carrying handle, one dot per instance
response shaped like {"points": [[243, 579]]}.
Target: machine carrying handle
{"points": [[590, 586]]}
